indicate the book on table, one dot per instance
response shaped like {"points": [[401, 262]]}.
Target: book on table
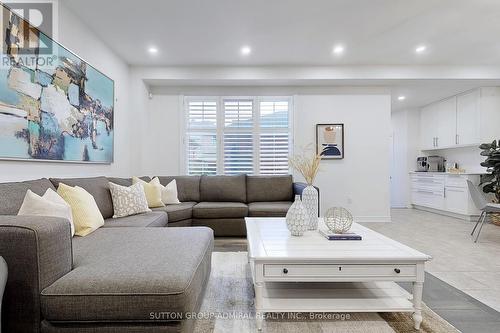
{"points": [[345, 236]]}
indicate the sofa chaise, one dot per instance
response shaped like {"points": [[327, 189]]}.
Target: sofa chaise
{"points": [[130, 274]]}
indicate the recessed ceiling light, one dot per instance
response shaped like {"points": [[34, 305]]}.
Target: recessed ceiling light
{"points": [[401, 98], [246, 50], [153, 50], [338, 49], [421, 49]]}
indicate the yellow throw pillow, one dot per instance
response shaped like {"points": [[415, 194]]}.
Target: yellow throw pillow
{"points": [[152, 190], [86, 215]]}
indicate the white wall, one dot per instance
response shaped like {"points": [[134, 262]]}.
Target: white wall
{"points": [[78, 38], [360, 181], [161, 148]]}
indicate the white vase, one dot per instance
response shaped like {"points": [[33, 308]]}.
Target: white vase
{"points": [[297, 220], [310, 200]]}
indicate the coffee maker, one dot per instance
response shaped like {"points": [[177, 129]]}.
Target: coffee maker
{"points": [[422, 165], [436, 163]]}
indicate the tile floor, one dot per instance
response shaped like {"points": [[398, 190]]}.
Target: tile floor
{"points": [[473, 268]]}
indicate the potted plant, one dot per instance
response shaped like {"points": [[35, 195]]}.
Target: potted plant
{"points": [[491, 181], [307, 164]]}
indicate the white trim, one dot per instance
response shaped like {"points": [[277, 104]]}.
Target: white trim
{"points": [[182, 132], [368, 219]]}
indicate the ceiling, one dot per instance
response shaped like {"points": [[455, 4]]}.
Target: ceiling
{"points": [[297, 32], [203, 33]]}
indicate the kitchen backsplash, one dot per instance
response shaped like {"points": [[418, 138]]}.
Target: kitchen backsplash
{"points": [[468, 158]]}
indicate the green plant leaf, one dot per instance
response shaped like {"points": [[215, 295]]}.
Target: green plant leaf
{"points": [[489, 188]]}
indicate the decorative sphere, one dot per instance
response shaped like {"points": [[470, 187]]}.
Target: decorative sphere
{"points": [[338, 220]]}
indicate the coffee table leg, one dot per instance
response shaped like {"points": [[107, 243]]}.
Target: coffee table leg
{"points": [[418, 288], [259, 315]]}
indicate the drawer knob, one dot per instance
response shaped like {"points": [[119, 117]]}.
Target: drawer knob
{"points": [[397, 270], [285, 271]]}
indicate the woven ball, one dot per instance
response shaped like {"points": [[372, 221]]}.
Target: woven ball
{"points": [[338, 220]]}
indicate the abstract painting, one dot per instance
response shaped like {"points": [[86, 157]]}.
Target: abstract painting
{"points": [[53, 106], [330, 141]]}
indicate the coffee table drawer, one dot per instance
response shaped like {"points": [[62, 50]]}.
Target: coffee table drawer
{"points": [[294, 270]]}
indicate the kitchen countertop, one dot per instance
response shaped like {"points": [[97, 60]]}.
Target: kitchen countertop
{"points": [[450, 173]]}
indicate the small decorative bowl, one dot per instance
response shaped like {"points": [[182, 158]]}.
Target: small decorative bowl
{"points": [[338, 220]]}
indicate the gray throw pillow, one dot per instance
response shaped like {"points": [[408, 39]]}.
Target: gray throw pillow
{"points": [[128, 200]]}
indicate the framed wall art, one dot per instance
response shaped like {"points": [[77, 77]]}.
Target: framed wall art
{"points": [[330, 141], [54, 106]]}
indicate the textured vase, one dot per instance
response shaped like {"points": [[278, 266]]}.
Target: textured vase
{"points": [[310, 201], [297, 220]]}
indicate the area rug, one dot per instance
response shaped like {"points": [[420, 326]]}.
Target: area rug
{"points": [[228, 307]]}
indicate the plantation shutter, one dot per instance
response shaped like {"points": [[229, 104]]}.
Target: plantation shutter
{"points": [[234, 135], [274, 139], [201, 137], [238, 136]]}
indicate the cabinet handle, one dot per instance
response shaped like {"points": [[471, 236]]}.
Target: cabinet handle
{"points": [[437, 141], [397, 270], [285, 271], [457, 139]]}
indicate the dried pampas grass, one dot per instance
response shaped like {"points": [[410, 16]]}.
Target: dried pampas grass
{"points": [[307, 163]]}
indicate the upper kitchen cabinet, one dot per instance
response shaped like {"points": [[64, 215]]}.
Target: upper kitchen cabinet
{"points": [[489, 115], [438, 124], [446, 122], [428, 132], [468, 118], [463, 120]]}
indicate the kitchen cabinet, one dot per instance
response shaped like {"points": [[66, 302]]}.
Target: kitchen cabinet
{"points": [[489, 114], [468, 118], [428, 132], [444, 193], [446, 122], [438, 124]]}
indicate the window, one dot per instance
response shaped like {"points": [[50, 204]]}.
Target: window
{"points": [[234, 135]]}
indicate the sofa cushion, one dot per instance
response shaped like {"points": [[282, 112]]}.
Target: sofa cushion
{"points": [[188, 187], [152, 219], [223, 188], [126, 181], [170, 271], [12, 194], [98, 187], [269, 188], [233, 227], [178, 212], [269, 209], [214, 210]]}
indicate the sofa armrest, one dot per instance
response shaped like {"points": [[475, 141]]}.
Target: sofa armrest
{"points": [[38, 252], [298, 188]]}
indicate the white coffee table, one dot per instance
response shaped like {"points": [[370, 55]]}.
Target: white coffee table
{"points": [[312, 274]]}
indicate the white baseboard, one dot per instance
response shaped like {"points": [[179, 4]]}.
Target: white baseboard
{"points": [[377, 219]]}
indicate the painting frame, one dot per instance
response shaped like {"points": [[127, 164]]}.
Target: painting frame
{"points": [[104, 116], [335, 148]]}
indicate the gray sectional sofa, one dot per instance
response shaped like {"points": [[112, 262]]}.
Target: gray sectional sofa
{"points": [[127, 275]]}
